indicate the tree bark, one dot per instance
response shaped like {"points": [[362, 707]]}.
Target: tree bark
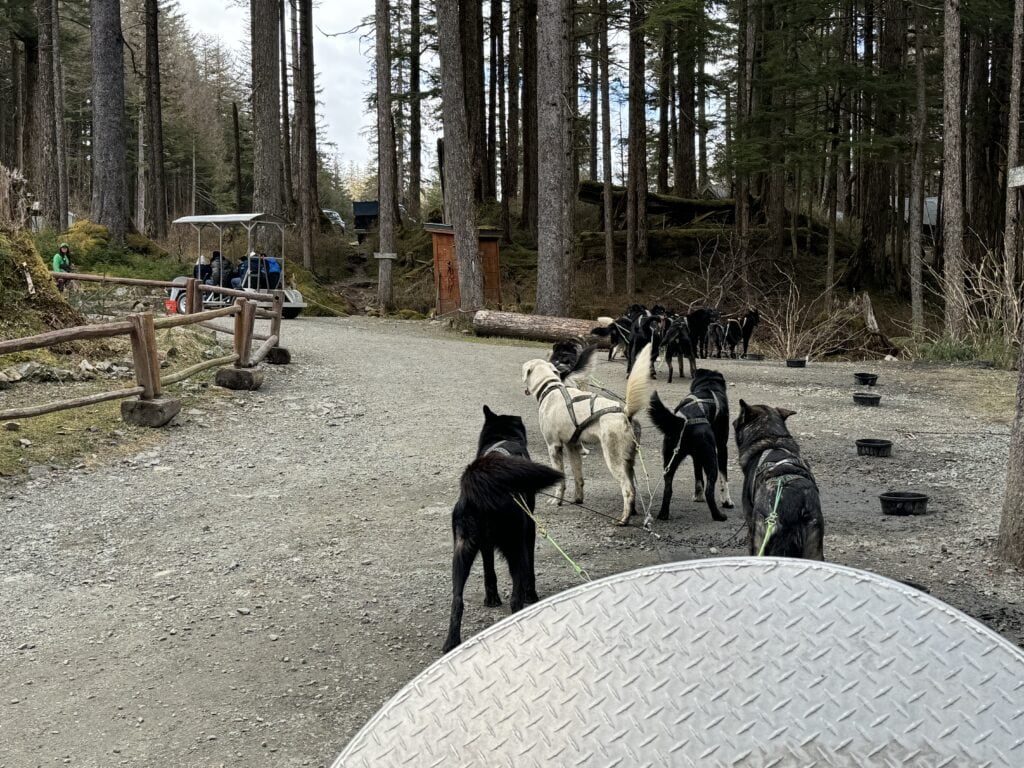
{"points": [[309, 202], [535, 327], [60, 134], [686, 160], [916, 213], [702, 122], [664, 76], [237, 147], [415, 118], [530, 118], [494, 74], [555, 170], [1010, 545], [952, 175], [1011, 238], [266, 113], [471, 41], [606, 157], [636, 206], [514, 29], [503, 151], [595, 92], [45, 179], [286, 131], [109, 165], [387, 183], [456, 168], [157, 192]]}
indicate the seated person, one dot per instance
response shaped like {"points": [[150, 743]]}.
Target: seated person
{"points": [[201, 270], [238, 280], [220, 270]]}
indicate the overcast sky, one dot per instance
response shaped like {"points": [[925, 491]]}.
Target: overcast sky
{"points": [[342, 62]]}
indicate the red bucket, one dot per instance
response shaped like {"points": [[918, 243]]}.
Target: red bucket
{"points": [[171, 306]]}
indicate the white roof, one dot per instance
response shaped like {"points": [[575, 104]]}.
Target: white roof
{"points": [[227, 219]]}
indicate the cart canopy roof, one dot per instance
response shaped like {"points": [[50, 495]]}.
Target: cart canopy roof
{"points": [[228, 219]]}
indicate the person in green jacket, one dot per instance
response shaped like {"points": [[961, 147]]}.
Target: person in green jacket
{"points": [[62, 263]]}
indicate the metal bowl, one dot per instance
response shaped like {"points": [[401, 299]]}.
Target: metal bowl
{"points": [[798, 362], [866, 379], [903, 503]]}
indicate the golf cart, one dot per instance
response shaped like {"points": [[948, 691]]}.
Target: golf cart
{"points": [[257, 275]]}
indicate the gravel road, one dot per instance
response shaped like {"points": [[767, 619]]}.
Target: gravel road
{"points": [[249, 592]]}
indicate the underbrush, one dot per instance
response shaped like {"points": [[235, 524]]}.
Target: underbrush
{"points": [[989, 346]]}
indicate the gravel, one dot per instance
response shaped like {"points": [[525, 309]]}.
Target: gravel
{"points": [[249, 590]]}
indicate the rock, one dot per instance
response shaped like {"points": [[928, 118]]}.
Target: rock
{"points": [[239, 378], [12, 426], [149, 413], [24, 443], [243, 611]]}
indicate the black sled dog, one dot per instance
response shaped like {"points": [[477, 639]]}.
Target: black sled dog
{"points": [[573, 361], [780, 495], [487, 517], [699, 427]]}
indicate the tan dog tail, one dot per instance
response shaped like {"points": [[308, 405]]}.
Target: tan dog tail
{"points": [[604, 322], [638, 386]]}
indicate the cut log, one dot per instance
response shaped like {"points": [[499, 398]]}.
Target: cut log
{"points": [[535, 327]]}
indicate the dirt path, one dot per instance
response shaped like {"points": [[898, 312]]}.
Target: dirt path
{"points": [[250, 592]]}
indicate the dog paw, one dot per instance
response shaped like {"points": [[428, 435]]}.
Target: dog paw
{"points": [[623, 521], [728, 504], [719, 518], [578, 499], [450, 643], [492, 601], [531, 598], [663, 515]]}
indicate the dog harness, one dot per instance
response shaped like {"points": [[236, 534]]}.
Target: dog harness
{"points": [[570, 404], [498, 447], [781, 481], [701, 403]]}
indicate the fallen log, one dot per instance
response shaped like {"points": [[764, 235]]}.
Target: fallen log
{"points": [[534, 327]]}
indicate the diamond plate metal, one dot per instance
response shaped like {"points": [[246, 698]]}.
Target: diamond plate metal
{"points": [[764, 662]]}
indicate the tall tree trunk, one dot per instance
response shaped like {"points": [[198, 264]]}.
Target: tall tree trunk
{"points": [[456, 167], [494, 74], [45, 179], [237, 147], [745, 62], [309, 202], [387, 183], [514, 30], [505, 160], [296, 68], [595, 92], [664, 76], [916, 213], [606, 155], [157, 192], [1011, 237], [555, 170], [140, 168], [109, 164], [471, 40], [686, 160], [1010, 545], [636, 188], [415, 118], [266, 114], [530, 117], [702, 120], [60, 137], [286, 131], [952, 178]]}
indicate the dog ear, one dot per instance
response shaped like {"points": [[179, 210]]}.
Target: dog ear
{"points": [[785, 413], [488, 413]]}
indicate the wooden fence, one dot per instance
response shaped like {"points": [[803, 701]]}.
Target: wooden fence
{"points": [[141, 329]]}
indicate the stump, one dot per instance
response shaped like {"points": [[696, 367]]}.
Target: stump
{"points": [[534, 327]]}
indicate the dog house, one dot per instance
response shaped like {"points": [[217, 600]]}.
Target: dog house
{"points": [[446, 267]]}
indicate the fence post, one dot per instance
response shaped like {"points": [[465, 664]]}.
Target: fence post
{"points": [[150, 410], [278, 355], [241, 376]]}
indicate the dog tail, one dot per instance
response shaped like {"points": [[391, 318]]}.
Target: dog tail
{"points": [[602, 330], [491, 479], [638, 385], [605, 321], [584, 365], [666, 421]]}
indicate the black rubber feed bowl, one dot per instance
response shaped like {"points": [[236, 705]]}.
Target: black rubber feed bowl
{"points": [[796, 363], [903, 503], [753, 356], [867, 379], [866, 398], [872, 447]]}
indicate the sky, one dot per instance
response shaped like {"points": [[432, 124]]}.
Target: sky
{"points": [[343, 59]]}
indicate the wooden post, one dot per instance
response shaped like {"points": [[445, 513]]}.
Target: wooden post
{"points": [[193, 296], [385, 292], [239, 332], [278, 313], [141, 352], [245, 322]]}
